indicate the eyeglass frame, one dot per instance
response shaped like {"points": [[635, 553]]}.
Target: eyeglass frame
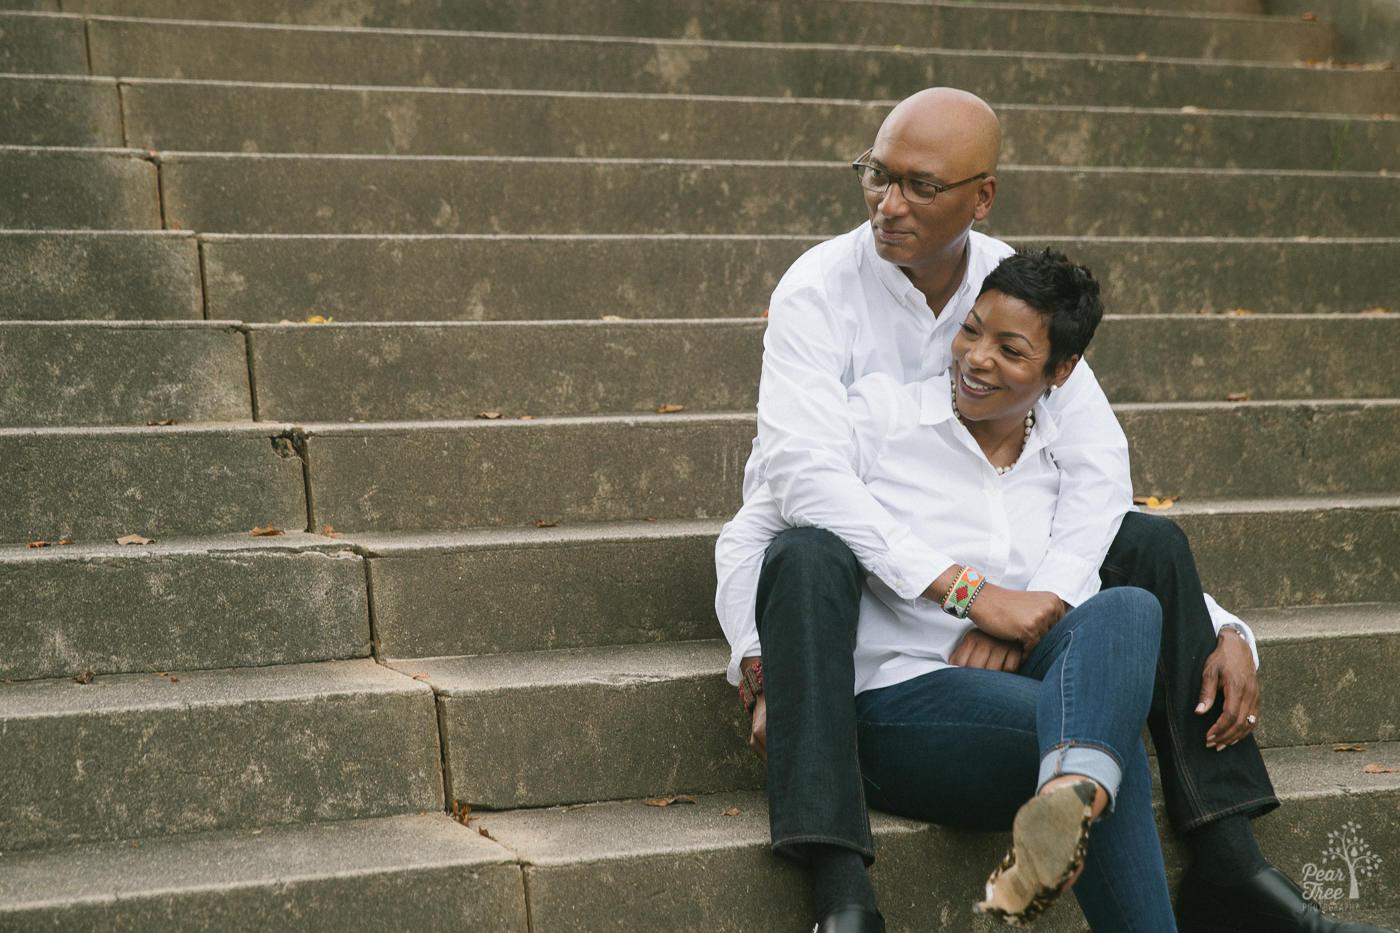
{"points": [[860, 165]]}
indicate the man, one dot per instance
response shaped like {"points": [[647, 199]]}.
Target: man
{"points": [[888, 297]]}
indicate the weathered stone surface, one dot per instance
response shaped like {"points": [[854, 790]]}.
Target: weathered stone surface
{"points": [[1238, 450], [328, 194], [129, 373], [160, 482], [681, 66], [639, 721], [209, 116], [134, 755], [1324, 674], [359, 876], [41, 42], [544, 588], [338, 372], [938, 25], [1206, 357], [104, 276], [437, 476], [100, 189], [493, 278], [228, 602], [1292, 552], [51, 111]]}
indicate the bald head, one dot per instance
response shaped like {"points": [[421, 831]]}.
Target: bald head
{"points": [[953, 127]]}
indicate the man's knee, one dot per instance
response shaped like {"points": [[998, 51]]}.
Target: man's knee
{"points": [[1146, 542]]}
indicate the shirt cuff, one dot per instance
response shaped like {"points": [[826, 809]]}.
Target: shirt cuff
{"points": [[746, 648], [1068, 577], [1219, 616], [909, 566]]}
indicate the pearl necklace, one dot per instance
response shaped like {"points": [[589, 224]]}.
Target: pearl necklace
{"points": [[1030, 423]]}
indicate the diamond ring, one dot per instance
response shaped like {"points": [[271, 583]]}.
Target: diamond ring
{"points": [[1251, 719]]}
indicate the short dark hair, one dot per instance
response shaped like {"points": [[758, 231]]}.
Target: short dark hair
{"points": [[1053, 285]]}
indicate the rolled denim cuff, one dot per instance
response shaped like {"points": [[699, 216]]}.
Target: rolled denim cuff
{"points": [[1094, 763]]}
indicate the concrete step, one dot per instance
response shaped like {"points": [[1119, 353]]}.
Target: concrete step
{"points": [[636, 721], [440, 476], [491, 277], [425, 873], [128, 756], [646, 720], [57, 188], [172, 49], [109, 275], [132, 372], [1166, 30], [235, 601], [42, 42], [103, 483], [226, 116], [53, 110], [642, 850], [233, 193], [374, 372]]}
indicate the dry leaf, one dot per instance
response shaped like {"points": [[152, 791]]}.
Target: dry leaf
{"points": [[669, 409], [318, 319], [135, 539], [667, 801], [1309, 17], [420, 676], [329, 532], [1348, 748], [526, 418], [1237, 397], [1239, 311], [160, 424], [1155, 502], [260, 531], [765, 312], [613, 317], [1374, 768], [488, 415], [64, 542], [650, 519], [174, 679], [1142, 56], [732, 811], [1379, 311], [1191, 109], [544, 524], [37, 544], [85, 677]]}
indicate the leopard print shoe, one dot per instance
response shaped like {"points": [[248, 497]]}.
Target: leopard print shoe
{"points": [[1049, 839]]}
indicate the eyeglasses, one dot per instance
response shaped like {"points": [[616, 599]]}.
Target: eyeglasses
{"points": [[915, 190]]}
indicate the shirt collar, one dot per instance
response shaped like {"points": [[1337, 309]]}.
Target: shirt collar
{"points": [[897, 283], [936, 406]]}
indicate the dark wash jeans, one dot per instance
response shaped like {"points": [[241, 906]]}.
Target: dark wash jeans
{"points": [[808, 606]]}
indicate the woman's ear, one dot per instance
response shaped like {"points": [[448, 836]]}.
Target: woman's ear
{"points": [[1063, 370]]}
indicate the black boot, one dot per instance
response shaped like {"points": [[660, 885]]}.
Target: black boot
{"points": [[1269, 902], [851, 918]]}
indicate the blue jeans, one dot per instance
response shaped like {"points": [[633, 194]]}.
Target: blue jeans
{"points": [[966, 747]]}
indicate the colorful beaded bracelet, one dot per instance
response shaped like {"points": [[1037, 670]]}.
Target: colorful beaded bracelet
{"points": [[963, 591]]}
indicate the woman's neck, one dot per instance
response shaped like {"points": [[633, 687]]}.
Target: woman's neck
{"points": [[1001, 439]]}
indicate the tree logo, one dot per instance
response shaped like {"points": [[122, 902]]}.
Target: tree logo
{"points": [[1346, 859]]}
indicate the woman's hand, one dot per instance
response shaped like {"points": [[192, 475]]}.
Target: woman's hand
{"points": [[1012, 615], [758, 729], [978, 649], [1229, 670]]}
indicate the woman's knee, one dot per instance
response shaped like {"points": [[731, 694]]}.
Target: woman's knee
{"points": [[1135, 608]]}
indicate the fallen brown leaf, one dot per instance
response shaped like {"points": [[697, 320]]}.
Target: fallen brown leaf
{"points": [[1238, 311], [1374, 768], [64, 542], [544, 524], [488, 415], [174, 679], [1237, 396], [1309, 17], [319, 319], [135, 539], [85, 677], [329, 532], [732, 811], [1142, 56], [1189, 108], [37, 544], [420, 676], [613, 317], [765, 312], [526, 418], [667, 801], [160, 424], [1348, 748], [669, 409], [1155, 502], [1379, 311], [260, 531]]}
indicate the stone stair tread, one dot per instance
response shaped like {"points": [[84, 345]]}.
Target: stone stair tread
{"points": [[620, 666], [1302, 623], [423, 872]]}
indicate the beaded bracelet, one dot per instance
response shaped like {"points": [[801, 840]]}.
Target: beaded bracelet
{"points": [[752, 679], [963, 592]]}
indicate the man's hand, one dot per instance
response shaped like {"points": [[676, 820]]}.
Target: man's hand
{"points": [[1012, 615], [758, 731], [1230, 670], [978, 649]]}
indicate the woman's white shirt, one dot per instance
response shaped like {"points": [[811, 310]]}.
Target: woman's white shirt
{"points": [[924, 467]]}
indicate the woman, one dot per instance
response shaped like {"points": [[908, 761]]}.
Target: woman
{"points": [[942, 736]]}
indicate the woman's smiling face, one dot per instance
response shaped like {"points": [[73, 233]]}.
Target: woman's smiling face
{"points": [[999, 357]]}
